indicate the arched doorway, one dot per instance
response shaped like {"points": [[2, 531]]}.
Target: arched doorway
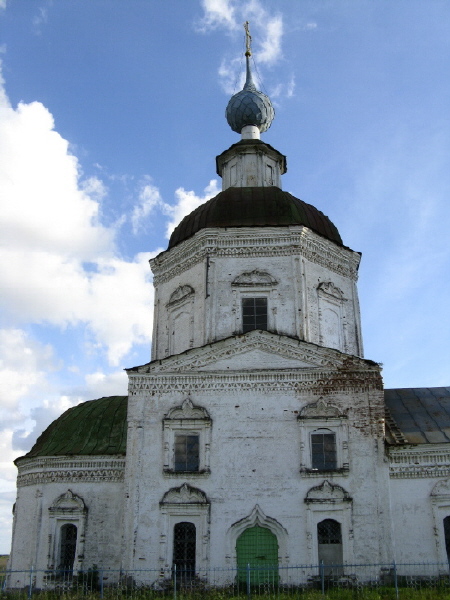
{"points": [[257, 547], [329, 540], [184, 549], [68, 545], [447, 536]]}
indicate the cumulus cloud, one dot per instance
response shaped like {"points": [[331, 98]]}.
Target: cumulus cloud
{"points": [[149, 199], [266, 27], [58, 263], [24, 363], [218, 13], [187, 201]]}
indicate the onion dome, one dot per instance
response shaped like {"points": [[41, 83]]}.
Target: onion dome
{"points": [[254, 207], [97, 427], [249, 106]]}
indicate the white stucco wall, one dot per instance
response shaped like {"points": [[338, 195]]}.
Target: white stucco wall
{"points": [[314, 296]]}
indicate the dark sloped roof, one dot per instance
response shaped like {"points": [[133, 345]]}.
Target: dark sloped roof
{"points": [[422, 415], [97, 427], [254, 207]]}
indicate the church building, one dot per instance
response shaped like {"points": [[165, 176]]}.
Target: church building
{"points": [[258, 433]]}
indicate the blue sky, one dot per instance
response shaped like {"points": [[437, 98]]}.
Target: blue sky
{"points": [[111, 115]]}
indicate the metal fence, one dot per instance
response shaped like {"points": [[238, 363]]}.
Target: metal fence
{"points": [[361, 581]]}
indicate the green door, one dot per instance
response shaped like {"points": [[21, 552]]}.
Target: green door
{"points": [[258, 547]]}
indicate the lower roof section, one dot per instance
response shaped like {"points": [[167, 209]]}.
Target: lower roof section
{"points": [[97, 427], [418, 415]]}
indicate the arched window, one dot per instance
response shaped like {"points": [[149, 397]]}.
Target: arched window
{"points": [[184, 549], [447, 536], [329, 541], [68, 545], [258, 547]]}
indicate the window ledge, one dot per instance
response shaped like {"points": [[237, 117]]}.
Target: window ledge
{"points": [[330, 473], [199, 474]]}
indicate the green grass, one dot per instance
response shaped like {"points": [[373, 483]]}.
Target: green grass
{"points": [[133, 593], [3, 561]]}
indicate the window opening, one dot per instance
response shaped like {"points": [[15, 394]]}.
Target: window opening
{"points": [[184, 548], [258, 547], [447, 536], [329, 540], [254, 314], [68, 547], [323, 451], [187, 456]]}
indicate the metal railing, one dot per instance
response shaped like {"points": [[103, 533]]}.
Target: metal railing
{"points": [[365, 581]]}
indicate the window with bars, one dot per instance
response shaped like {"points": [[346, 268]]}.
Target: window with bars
{"points": [[329, 540], [184, 549], [254, 313], [68, 544], [329, 532], [323, 451], [187, 455]]}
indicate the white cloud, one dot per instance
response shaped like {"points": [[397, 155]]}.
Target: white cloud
{"points": [[270, 50], [266, 29], [50, 230], [218, 13], [24, 364], [149, 199], [187, 201]]}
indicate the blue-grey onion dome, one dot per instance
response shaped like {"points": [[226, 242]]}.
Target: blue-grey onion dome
{"points": [[249, 107]]}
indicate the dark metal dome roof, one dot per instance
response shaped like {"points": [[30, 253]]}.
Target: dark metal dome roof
{"points": [[254, 207], [97, 427]]}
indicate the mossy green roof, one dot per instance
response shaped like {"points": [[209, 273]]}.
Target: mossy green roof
{"points": [[97, 427]]}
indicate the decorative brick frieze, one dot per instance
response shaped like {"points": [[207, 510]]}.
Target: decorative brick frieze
{"points": [[315, 381], [299, 241], [36, 471], [419, 462]]}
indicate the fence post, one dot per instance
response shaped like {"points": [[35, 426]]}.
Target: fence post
{"points": [[101, 582], [249, 595], [175, 581], [395, 578], [322, 577], [31, 583]]}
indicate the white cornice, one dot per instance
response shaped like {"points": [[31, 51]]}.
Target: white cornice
{"points": [[317, 381], [252, 242], [49, 469], [419, 461]]}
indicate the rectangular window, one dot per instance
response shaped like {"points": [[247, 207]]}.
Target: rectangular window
{"points": [[254, 314], [323, 451], [187, 452]]}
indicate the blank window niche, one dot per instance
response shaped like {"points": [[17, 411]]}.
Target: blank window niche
{"points": [[323, 450], [254, 314], [187, 452]]}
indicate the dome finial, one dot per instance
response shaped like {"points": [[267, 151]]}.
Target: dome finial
{"points": [[249, 112], [248, 40], [249, 83]]}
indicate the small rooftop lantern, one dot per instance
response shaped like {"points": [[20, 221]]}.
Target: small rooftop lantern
{"points": [[249, 112]]}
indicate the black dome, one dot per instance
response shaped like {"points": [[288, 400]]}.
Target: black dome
{"points": [[254, 207]]}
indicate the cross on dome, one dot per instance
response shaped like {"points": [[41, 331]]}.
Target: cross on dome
{"points": [[249, 112]]}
